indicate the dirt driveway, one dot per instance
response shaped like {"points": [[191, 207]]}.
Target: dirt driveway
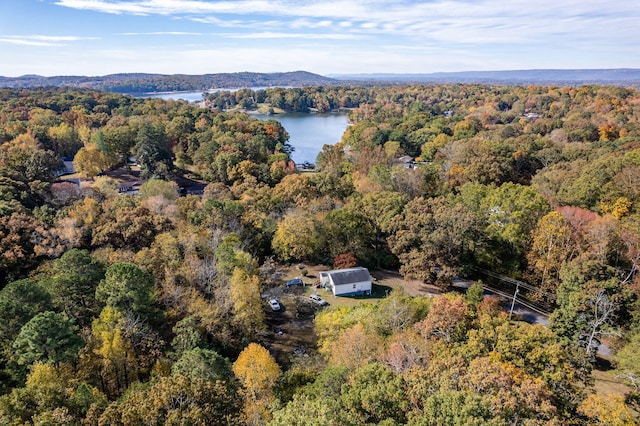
{"points": [[394, 280], [290, 332]]}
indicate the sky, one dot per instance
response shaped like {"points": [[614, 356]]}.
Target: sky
{"points": [[328, 37]]}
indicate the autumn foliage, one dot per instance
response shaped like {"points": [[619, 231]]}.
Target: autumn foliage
{"points": [[119, 307]]}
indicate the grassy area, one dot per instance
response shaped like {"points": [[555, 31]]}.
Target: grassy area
{"points": [[382, 286], [292, 328], [605, 380], [606, 383]]}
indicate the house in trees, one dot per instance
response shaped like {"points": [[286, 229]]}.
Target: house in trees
{"points": [[407, 162], [130, 187], [69, 168], [347, 282], [66, 167]]}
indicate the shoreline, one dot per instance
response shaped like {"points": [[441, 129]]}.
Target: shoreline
{"points": [[282, 112]]}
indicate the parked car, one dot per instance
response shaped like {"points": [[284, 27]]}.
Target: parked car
{"points": [[275, 305], [317, 300], [295, 281]]}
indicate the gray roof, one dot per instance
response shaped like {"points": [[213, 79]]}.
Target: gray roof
{"points": [[405, 159], [348, 276]]}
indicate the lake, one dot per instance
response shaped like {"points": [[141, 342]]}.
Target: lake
{"points": [[186, 96], [307, 132]]}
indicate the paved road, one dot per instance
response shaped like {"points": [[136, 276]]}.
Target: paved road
{"points": [[519, 310], [528, 315]]}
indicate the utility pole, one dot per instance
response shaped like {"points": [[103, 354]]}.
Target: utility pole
{"points": [[513, 302]]}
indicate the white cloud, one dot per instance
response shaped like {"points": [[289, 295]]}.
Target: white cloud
{"points": [[312, 36], [154, 33], [308, 23], [57, 38], [461, 21], [40, 40], [167, 7], [24, 42], [364, 10], [224, 23], [105, 6], [334, 36]]}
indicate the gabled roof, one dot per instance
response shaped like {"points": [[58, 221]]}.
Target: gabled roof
{"points": [[348, 276], [405, 159], [131, 184]]}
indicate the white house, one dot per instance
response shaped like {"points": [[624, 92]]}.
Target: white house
{"points": [[407, 162], [347, 282]]}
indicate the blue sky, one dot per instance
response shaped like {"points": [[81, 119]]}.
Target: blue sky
{"points": [[98, 37]]}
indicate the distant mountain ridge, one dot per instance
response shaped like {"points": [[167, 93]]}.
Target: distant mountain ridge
{"points": [[145, 83], [617, 76]]}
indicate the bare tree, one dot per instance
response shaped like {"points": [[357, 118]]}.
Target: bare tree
{"points": [[601, 313]]}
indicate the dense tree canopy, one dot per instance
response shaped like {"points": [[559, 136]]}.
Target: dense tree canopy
{"points": [[125, 307]]}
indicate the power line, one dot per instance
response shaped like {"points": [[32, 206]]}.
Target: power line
{"points": [[513, 281], [521, 300]]}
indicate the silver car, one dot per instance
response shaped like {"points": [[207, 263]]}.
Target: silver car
{"points": [[317, 300], [275, 305]]}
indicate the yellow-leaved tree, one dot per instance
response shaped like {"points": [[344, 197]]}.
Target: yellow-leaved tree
{"points": [[112, 349], [607, 410], [551, 248], [90, 161], [297, 237], [258, 371], [247, 304]]}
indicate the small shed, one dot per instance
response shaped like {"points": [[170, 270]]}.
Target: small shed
{"points": [[347, 282]]}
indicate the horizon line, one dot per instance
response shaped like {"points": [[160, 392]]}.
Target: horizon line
{"points": [[324, 75]]}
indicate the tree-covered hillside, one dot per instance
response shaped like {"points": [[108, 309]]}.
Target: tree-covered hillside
{"points": [[121, 308], [147, 83]]}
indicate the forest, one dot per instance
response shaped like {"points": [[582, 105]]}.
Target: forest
{"points": [[137, 83], [147, 83], [148, 308]]}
